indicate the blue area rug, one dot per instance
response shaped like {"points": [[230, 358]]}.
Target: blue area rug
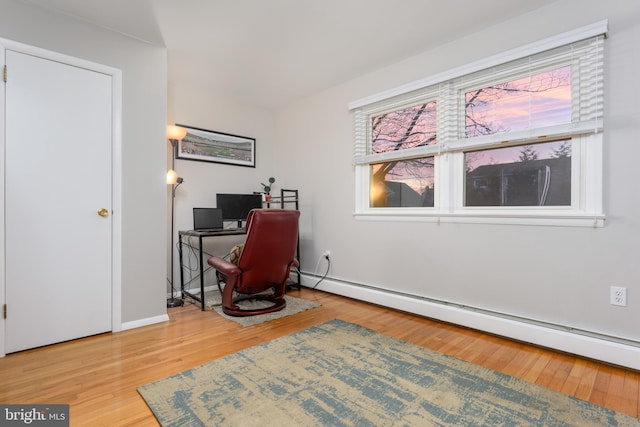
{"points": [[342, 374]]}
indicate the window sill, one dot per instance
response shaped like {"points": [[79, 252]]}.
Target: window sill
{"points": [[512, 217]]}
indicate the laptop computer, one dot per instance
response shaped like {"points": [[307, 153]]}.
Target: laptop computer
{"points": [[207, 219]]}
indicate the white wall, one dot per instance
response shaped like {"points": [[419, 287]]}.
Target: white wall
{"points": [[143, 137], [555, 275]]}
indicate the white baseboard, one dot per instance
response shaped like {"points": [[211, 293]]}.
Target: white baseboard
{"points": [[583, 345], [157, 319], [145, 322]]}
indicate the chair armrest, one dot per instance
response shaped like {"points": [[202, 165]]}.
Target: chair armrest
{"points": [[224, 266]]}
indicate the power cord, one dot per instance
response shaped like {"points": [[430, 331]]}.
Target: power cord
{"points": [[191, 263], [326, 256]]}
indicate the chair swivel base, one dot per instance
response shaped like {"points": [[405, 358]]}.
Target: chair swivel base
{"points": [[235, 310]]}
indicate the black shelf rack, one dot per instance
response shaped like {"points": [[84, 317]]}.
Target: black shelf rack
{"points": [[289, 200]]}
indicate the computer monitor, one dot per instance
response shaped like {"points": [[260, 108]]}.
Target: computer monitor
{"points": [[236, 207]]}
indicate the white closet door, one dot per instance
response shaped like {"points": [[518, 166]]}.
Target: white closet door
{"points": [[57, 178]]}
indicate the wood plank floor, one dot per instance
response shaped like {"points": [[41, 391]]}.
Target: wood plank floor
{"points": [[98, 375]]}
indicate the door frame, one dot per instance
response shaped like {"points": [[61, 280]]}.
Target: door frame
{"points": [[116, 173]]}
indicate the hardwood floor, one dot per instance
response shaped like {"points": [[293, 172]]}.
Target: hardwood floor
{"points": [[98, 375]]}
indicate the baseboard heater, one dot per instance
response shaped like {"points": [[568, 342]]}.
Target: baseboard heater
{"points": [[609, 349]]}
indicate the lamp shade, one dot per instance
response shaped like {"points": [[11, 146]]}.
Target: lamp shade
{"points": [[172, 177], [176, 132]]}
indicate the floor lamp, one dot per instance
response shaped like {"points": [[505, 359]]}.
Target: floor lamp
{"points": [[174, 135]]}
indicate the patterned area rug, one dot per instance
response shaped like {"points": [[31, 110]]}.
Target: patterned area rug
{"points": [[342, 374], [294, 305]]}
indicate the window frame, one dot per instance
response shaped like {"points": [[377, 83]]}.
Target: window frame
{"points": [[449, 169]]}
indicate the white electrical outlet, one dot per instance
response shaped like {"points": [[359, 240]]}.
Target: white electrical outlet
{"points": [[618, 296], [326, 254]]}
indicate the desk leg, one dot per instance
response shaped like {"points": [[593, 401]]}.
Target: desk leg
{"points": [[181, 266], [201, 274]]}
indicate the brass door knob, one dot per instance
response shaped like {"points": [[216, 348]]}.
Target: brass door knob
{"points": [[103, 212]]}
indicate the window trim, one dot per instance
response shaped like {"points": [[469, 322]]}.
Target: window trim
{"points": [[586, 136]]}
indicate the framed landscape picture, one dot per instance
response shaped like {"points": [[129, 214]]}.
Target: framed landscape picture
{"points": [[216, 147]]}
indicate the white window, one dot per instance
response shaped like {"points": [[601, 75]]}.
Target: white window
{"points": [[516, 138]]}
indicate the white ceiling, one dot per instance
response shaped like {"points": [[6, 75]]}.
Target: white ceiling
{"points": [[269, 53]]}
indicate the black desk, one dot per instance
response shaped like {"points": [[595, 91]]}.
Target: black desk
{"points": [[200, 235]]}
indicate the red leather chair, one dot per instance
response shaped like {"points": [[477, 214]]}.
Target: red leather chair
{"points": [[266, 260]]}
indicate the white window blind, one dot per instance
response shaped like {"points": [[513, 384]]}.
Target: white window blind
{"points": [[582, 48]]}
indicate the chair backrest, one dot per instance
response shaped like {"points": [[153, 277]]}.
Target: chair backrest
{"points": [[269, 249]]}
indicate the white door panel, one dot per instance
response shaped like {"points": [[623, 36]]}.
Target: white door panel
{"points": [[57, 177]]}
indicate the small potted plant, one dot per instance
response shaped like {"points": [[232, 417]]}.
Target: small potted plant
{"points": [[267, 188]]}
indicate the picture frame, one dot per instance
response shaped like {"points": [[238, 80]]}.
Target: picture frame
{"points": [[204, 145]]}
